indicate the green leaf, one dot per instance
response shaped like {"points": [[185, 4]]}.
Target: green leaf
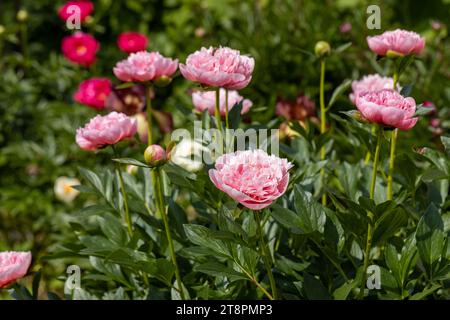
{"points": [[425, 292], [113, 229], [343, 291], [430, 236], [93, 179], [422, 111], [406, 90], [311, 213], [131, 161], [343, 47], [125, 85], [234, 115], [339, 91], [314, 289], [286, 217], [36, 283], [219, 270], [446, 142], [205, 237]]}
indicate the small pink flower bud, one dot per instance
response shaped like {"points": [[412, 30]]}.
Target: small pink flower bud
{"points": [[155, 156]]}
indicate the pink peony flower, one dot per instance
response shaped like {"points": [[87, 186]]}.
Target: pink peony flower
{"points": [[399, 42], [222, 67], [145, 66], [372, 82], [80, 48], [86, 8], [93, 92], [13, 266], [130, 42], [253, 178], [300, 109], [105, 130], [206, 100], [387, 107]]}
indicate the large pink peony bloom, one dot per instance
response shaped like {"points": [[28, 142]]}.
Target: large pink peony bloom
{"points": [[222, 67], [400, 42], [387, 107], [372, 82], [85, 7], [93, 92], [105, 130], [145, 66], [13, 266], [80, 48], [252, 177], [131, 42], [206, 100]]}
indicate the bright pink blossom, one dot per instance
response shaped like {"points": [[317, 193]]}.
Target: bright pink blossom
{"points": [[13, 266], [130, 42], [387, 107], [372, 82], [206, 100], [67, 10], [400, 42], [105, 130], [253, 178], [80, 48], [93, 92], [145, 66], [222, 67]]}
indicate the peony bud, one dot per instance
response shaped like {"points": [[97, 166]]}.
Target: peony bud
{"points": [[2, 30], [322, 49], [155, 156], [22, 15], [162, 81]]}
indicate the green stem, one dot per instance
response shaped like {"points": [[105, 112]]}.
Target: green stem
{"points": [[323, 121], [391, 163], [226, 109], [161, 207], [24, 43], [124, 194], [376, 158], [217, 111], [266, 254], [149, 114]]}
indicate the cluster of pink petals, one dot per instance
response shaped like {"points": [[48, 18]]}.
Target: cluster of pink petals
{"points": [[131, 42], [299, 109], [105, 130], [253, 178], [93, 92], [85, 9], [13, 266], [372, 82], [145, 66], [398, 41], [80, 48], [387, 107], [206, 100], [221, 67]]}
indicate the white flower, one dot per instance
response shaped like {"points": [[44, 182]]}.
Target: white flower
{"points": [[64, 190], [188, 155]]}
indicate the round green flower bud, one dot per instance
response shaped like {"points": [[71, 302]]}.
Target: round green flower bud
{"points": [[22, 15], [155, 156], [2, 30], [322, 49]]}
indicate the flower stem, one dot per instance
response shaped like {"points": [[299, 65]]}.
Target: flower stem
{"points": [[24, 43], [217, 111], [149, 114], [124, 194], [376, 158], [393, 146], [265, 254], [323, 120], [391, 164], [226, 109], [161, 207]]}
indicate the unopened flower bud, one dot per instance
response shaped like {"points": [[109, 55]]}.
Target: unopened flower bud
{"points": [[22, 15], [2, 30], [155, 156], [162, 81], [322, 49], [89, 20]]}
